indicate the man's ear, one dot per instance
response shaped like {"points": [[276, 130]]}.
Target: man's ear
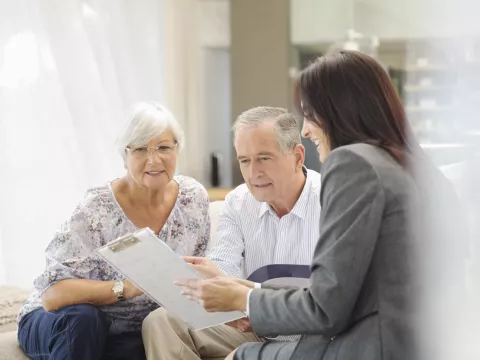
{"points": [[299, 151]]}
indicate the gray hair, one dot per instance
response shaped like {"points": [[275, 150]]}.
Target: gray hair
{"points": [[149, 120], [285, 123]]}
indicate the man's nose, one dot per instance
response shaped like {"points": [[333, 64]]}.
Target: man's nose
{"points": [[254, 170]]}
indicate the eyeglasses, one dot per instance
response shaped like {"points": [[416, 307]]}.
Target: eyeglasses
{"points": [[142, 152]]}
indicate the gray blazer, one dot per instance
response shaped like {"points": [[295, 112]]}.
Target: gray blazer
{"points": [[358, 303]]}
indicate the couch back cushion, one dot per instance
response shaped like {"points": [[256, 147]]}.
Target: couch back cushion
{"points": [[11, 299], [215, 207]]}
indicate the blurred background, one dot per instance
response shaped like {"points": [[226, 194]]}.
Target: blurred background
{"points": [[70, 70]]}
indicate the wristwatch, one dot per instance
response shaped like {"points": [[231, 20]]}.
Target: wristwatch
{"points": [[118, 290]]}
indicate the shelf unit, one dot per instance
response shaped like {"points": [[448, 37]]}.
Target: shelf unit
{"points": [[432, 84]]}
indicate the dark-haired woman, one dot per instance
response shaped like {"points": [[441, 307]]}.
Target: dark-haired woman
{"points": [[364, 273]]}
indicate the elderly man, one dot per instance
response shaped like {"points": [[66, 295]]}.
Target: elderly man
{"points": [[271, 219]]}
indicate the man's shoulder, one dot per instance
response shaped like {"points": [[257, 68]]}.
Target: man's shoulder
{"points": [[316, 180], [239, 192], [241, 197], [241, 206]]}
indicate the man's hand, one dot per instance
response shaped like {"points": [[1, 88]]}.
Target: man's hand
{"points": [[241, 324], [204, 266]]}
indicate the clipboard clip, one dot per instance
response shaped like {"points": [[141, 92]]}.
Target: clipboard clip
{"points": [[123, 243]]}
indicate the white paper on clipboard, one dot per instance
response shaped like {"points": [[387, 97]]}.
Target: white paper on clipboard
{"points": [[153, 267]]}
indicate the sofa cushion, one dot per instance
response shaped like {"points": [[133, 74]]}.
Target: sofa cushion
{"points": [[11, 299], [215, 208], [9, 348]]}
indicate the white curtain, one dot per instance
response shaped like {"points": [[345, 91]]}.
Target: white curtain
{"points": [[69, 71]]}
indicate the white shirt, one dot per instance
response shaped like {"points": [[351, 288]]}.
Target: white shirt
{"points": [[250, 234]]}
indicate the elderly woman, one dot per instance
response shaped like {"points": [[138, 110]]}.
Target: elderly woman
{"points": [[84, 309]]}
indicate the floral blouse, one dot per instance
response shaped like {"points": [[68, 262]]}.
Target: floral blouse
{"points": [[99, 219]]}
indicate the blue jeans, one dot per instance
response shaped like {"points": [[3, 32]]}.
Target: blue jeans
{"points": [[76, 332]]}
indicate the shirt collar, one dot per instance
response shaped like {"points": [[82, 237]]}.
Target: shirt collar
{"points": [[300, 208], [264, 207]]}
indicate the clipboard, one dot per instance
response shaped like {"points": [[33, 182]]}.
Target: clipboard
{"points": [[153, 266]]}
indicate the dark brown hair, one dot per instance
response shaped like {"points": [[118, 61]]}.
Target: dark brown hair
{"points": [[352, 99]]}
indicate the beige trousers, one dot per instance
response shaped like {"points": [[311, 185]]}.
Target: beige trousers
{"points": [[166, 337]]}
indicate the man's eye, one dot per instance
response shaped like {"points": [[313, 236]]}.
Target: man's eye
{"points": [[243, 161], [140, 150], [264, 158], [164, 148]]}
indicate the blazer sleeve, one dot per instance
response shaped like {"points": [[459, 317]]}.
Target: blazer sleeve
{"points": [[352, 208]]}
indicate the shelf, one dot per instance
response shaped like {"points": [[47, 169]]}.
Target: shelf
{"points": [[443, 146], [439, 67], [424, 88], [420, 109], [418, 68]]}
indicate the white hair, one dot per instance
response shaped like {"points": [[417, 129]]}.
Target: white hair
{"points": [[286, 125], [149, 120]]}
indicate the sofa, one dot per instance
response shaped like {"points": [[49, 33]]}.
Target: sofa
{"points": [[11, 299]]}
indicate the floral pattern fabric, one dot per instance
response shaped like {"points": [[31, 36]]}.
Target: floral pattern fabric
{"points": [[99, 219]]}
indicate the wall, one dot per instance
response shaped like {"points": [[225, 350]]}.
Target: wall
{"points": [[260, 50], [3, 270], [215, 42], [314, 21], [321, 20], [215, 23], [216, 69]]}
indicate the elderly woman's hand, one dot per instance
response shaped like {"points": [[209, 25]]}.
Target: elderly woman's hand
{"points": [[130, 291], [204, 266], [216, 294]]}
